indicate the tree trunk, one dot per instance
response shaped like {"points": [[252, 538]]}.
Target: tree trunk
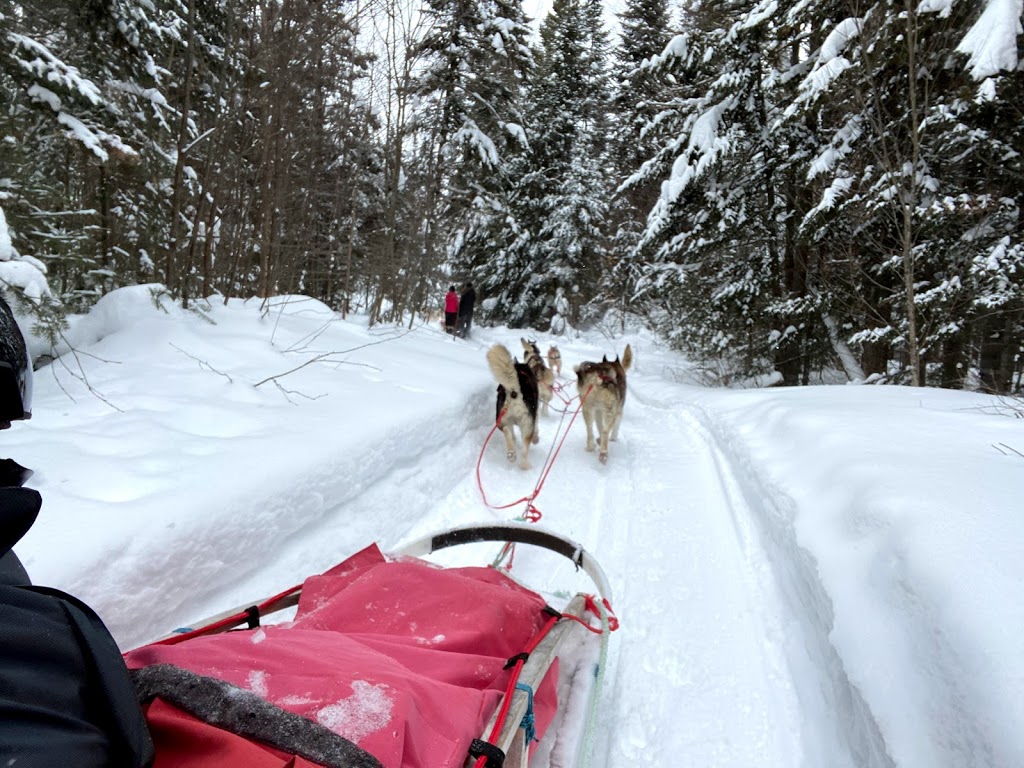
{"points": [[991, 362], [177, 197], [953, 363], [875, 358], [909, 200]]}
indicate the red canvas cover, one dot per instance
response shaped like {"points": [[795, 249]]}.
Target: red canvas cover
{"points": [[403, 658], [182, 741]]}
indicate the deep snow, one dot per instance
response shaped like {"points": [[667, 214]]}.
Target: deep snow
{"points": [[827, 576]]}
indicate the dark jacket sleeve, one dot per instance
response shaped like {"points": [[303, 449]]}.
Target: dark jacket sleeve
{"points": [[65, 695]]}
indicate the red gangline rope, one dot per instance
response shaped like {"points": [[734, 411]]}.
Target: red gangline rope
{"points": [[548, 462], [531, 513]]}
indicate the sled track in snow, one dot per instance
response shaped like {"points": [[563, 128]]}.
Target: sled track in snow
{"points": [[852, 738]]}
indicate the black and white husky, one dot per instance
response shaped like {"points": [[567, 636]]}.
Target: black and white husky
{"points": [[517, 401]]}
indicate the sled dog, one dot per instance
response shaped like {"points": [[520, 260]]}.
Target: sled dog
{"points": [[545, 378], [602, 388], [555, 360], [517, 401]]}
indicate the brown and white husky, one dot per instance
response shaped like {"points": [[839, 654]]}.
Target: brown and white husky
{"points": [[602, 388], [516, 403], [545, 378], [555, 360]]}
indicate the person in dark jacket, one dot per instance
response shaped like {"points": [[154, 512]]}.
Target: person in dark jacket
{"points": [[466, 302], [65, 695]]}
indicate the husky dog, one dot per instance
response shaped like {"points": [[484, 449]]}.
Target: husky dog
{"points": [[555, 360], [517, 401], [602, 387], [545, 378]]}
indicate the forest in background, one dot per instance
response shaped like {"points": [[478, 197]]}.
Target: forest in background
{"points": [[787, 186]]}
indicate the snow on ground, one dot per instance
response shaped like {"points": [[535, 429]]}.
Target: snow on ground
{"points": [[816, 577]]}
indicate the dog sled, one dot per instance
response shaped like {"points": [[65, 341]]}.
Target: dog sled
{"points": [[387, 660]]}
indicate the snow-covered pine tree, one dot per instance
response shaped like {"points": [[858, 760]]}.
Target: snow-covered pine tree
{"points": [[477, 61], [902, 204], [81, 79], [638, 91], [562, 194], [984, 133], [733, 273]]}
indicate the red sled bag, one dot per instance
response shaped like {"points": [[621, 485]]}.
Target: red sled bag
{"points": [[397, 663]]}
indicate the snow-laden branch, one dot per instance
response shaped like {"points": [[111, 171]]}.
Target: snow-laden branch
{"points": [[991, 44], [45, 66], [830, 63]]}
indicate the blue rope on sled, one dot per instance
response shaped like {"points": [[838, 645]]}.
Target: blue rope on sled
{"points": [[528, 723]]}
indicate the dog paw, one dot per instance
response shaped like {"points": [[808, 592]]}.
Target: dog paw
{"points": [[535, 439], [602, 456], [590, 447], [511, 456]]}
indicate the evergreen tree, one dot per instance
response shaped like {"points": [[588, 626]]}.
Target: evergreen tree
{"points": [[638, 93], [561, 196], [733, 273], [903, 198], [80, 79], [478, 62]]}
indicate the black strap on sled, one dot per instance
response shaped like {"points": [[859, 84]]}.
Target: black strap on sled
{"points": [[252, 616], [524, 657], [495, 756]]}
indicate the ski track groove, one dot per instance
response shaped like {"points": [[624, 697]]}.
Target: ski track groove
{"points": [[718, 667], [845, 734]]}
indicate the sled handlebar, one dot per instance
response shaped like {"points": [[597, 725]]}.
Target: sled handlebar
{"points": [[515, 533]]}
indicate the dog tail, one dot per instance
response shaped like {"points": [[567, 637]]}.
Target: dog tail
{"points": [[499, 359], [627, 358]]}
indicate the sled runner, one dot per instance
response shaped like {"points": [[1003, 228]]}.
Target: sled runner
{"points": [[389, 661]]}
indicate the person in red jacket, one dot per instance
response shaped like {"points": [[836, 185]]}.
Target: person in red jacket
{"points": [[451, 309]]}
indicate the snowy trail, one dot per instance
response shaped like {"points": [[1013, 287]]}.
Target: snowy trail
{"points": [[707, 636], [822, 576], [727, 681]]}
